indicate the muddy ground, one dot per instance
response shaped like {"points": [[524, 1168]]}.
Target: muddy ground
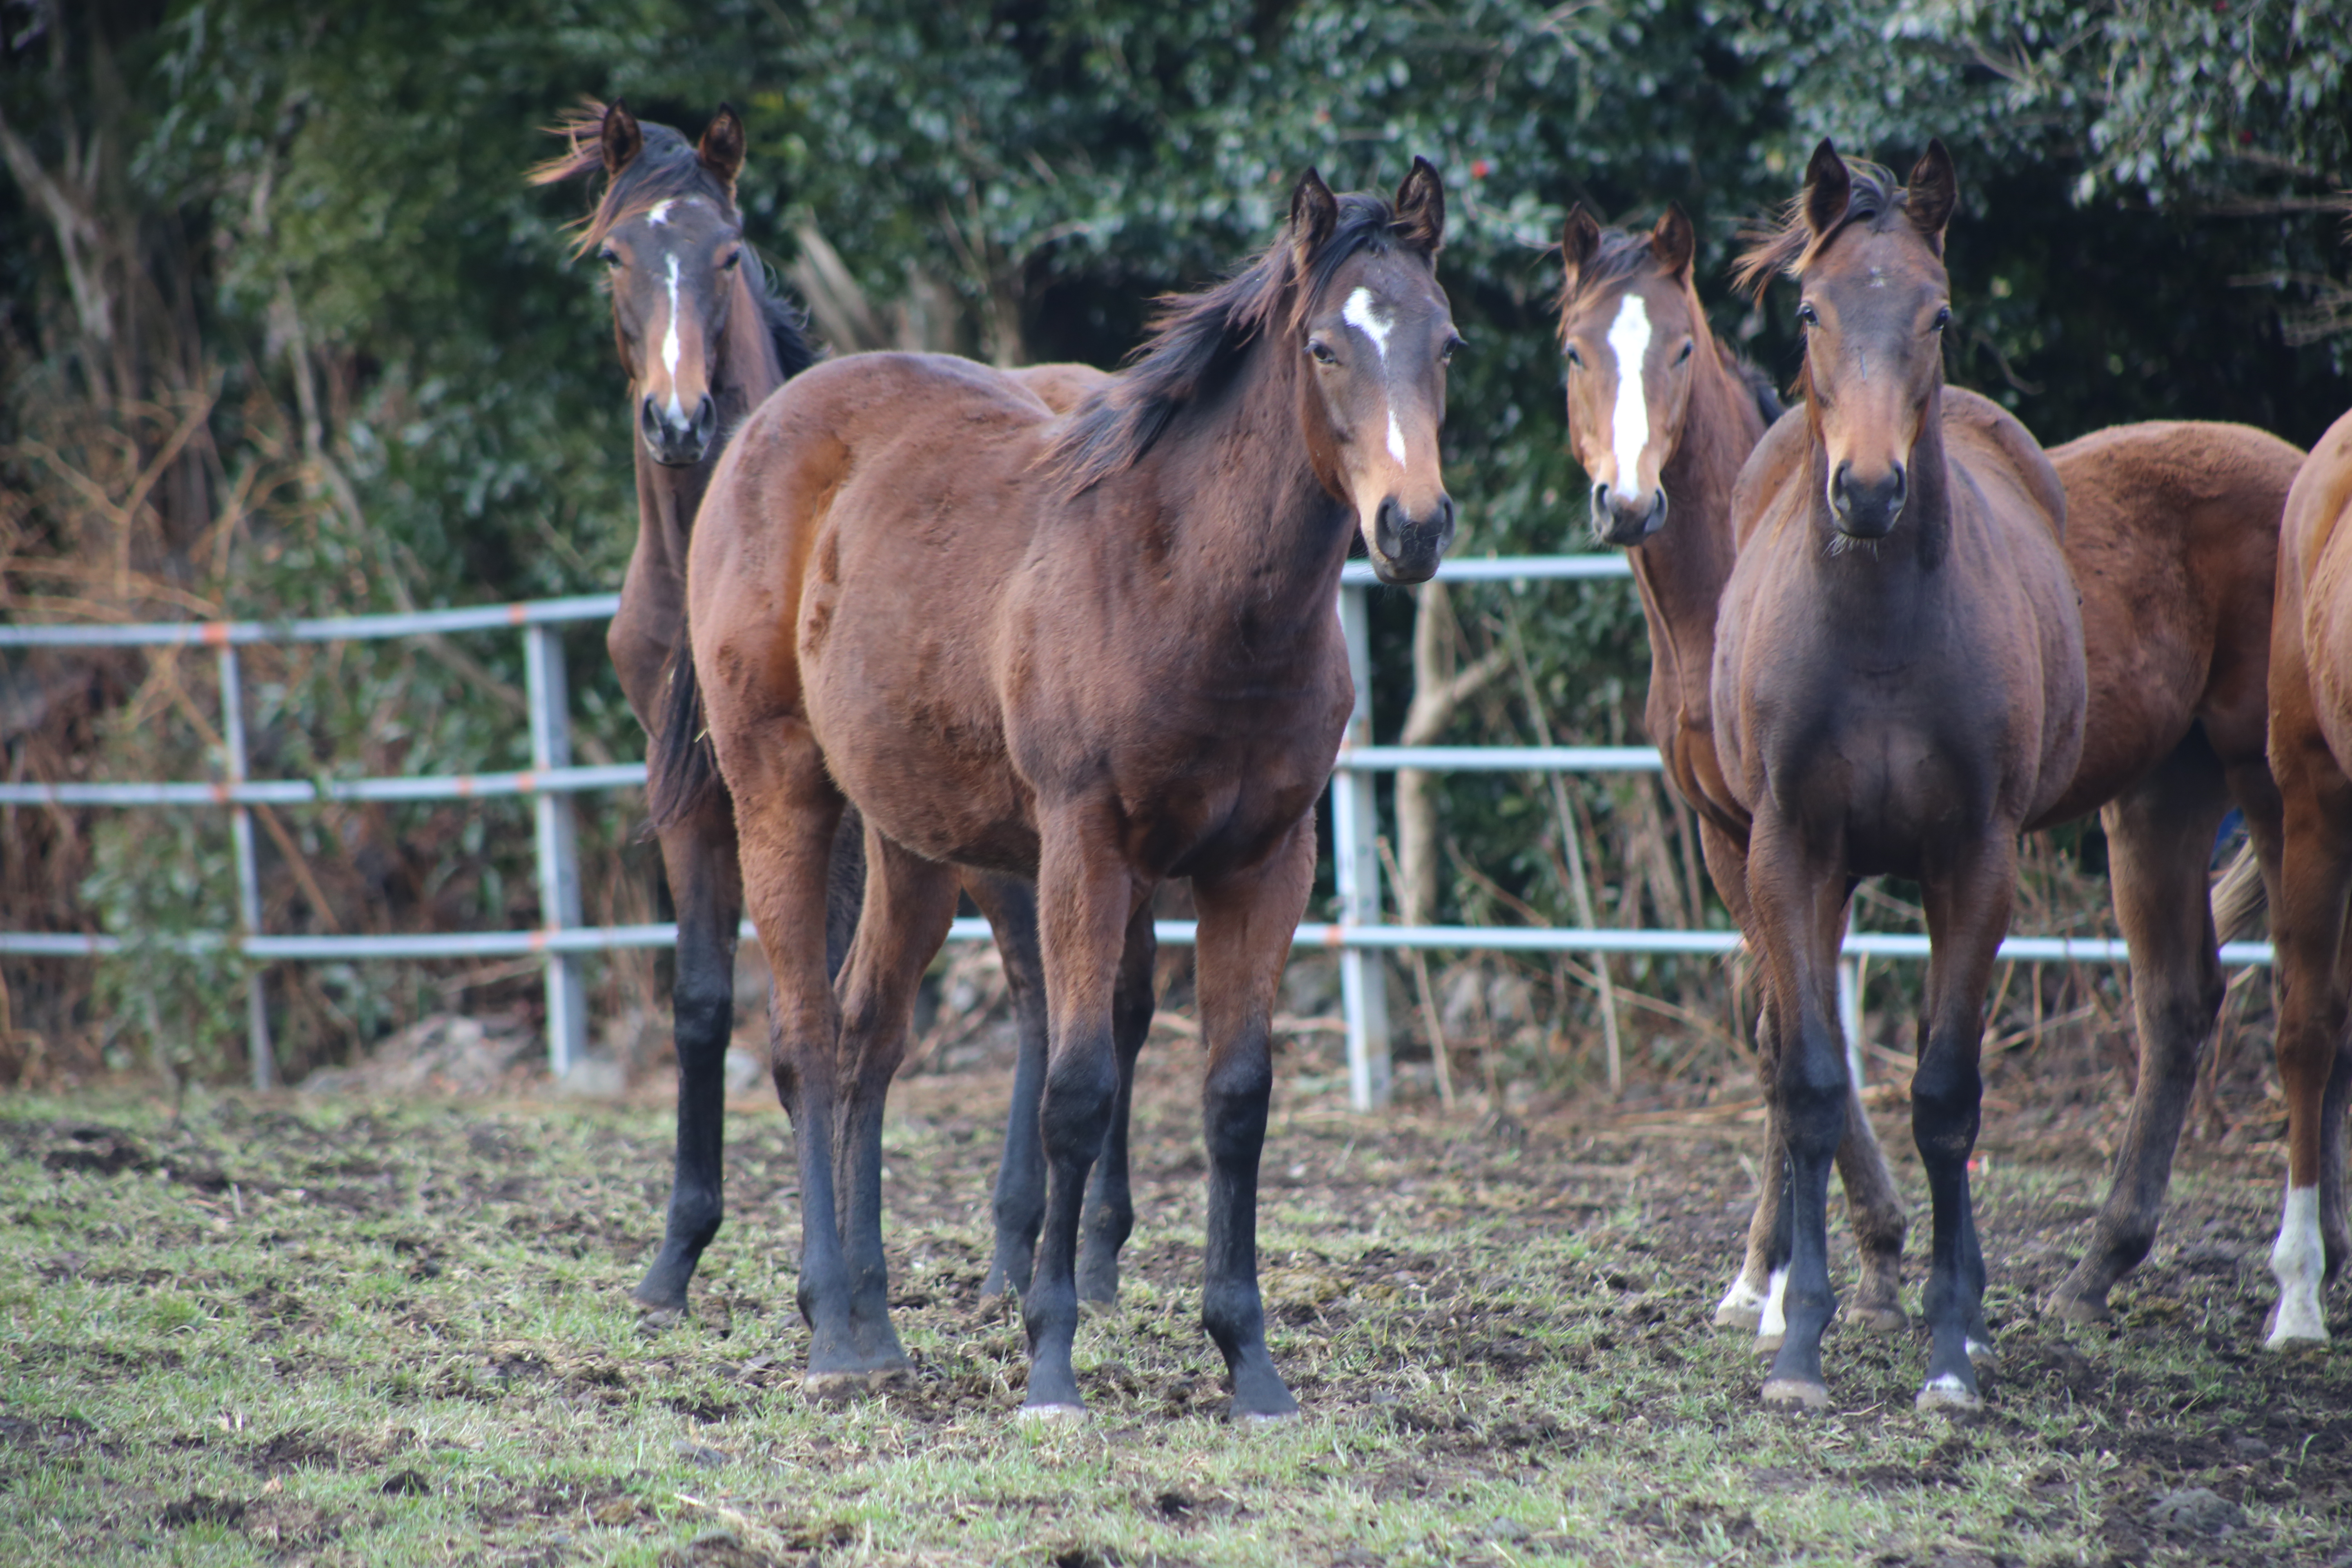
{"points": [[329, 1329]]}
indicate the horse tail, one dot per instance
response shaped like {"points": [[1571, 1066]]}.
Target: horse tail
{"points": [[2239, 896], [682, 776]]}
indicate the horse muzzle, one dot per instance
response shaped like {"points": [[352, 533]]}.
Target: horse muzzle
{"points": [[1619, 518], [677, 444], [1406, 548], [1867, 508]]}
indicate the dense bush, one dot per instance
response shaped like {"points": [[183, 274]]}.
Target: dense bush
{"points": [[284, 334]]}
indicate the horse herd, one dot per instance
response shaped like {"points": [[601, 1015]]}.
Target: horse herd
{"points": [[903, 628]]}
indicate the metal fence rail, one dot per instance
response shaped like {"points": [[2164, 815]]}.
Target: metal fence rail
{"points": [[1359, 935]]}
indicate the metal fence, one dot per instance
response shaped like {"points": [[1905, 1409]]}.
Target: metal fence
{"points": [[1360, 934]]}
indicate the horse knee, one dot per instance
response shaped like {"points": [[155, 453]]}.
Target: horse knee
{"points": [[1946, 1102], [702, 1007], [1079, 1091], [1234, 1097]]}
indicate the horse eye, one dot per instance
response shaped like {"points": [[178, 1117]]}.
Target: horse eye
{"points": [[1683, 355], [1576, 356], [1445, 355], [726, 263], [609, 257], [1322, 351], [1943, 318], [1808, 317]]}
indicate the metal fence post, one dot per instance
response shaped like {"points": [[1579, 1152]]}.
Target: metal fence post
{"points": [[1355, 849], [248, 881], [558, 844]]}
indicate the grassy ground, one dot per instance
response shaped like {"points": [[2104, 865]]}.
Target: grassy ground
{"points": [[324, 1330]]}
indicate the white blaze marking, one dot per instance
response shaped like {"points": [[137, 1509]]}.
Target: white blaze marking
{"points": [[1629, 428], [660, 214], [670, 348], [2299, 1260], [1363, 312]]}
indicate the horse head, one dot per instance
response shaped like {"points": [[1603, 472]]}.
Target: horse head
{"points": [[1629, 323], [672, 243], [1875, 301], [1377, 334]]}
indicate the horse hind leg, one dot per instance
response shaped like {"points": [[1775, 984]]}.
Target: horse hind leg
{"points": [[909, 903], [1019, 1202], [1109, 1214], [699, 859], [2159, 842]]}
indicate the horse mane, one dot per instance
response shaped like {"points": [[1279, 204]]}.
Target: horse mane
{"points": [[1789, 246], [667, 167], [1196, 339], [1758, 385]]}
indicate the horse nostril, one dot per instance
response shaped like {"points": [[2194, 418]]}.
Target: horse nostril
{"points": [[1899, 482], [1840, 488], [649, 419], [1445, 514], [705, 418]]}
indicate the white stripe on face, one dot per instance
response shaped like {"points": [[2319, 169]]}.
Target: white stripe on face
{"points": [[1363, 312], [660, 214], [1629, 340], [670, 347]]}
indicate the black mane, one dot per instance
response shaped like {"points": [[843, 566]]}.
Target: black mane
{"points": [[1196, 339]]}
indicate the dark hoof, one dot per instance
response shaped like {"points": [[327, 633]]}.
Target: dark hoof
{"points": [[834, 1387], [655, 1297], [660, 1321], [1795, 1394]]}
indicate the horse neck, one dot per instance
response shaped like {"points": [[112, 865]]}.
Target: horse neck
{"points": [[1681, 571], [744, 370], [1249, 518]]}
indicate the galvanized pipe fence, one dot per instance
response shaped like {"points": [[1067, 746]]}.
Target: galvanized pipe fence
{"points": [[1360, 934]]}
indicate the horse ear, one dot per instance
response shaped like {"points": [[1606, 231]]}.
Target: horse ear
{"points": [[1420, 208], [1674, 242], [1314, 214], [721, 147], [1827, 188], [1580, 238], [1934, 191], [623, 140]]}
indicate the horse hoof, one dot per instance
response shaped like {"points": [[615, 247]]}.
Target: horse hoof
{"points": [[1880, 1320], [1050, 1414], [1795, 1394], [1741, 1318], [834, 1387], [1265, 1417], [1949, 1392], [1983, 1352], [2079, 1308], [898, 1374], [1768, 1344], [660, 1319]]}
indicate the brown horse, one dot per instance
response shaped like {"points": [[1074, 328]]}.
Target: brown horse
{"points": [[1662, 417], [1098, 651], [1898, 690], [703, 341], [2170, 534], [2311, 753]]}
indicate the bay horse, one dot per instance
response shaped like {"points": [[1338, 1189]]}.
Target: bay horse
{"points": [[2311, 753], [1662, 417], [1097, 651], [2170, 534], [704, 339], [1898, 689]]}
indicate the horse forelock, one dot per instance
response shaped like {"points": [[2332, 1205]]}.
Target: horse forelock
{"points": [[1194, 338], [1787, 246], [667, 167], [1619, 255]]}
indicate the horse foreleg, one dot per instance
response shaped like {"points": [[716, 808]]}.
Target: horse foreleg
{"points": [[699, 858], [1010, 905], [1968, 914], [1753, 1293], [1246, 922], [2310, 933], [1085, 896], [1798, 911], [909, 903], [1109, 1214], [2160, 841]]}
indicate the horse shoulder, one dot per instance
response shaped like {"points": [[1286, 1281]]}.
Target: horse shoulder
{"points": [[1993, 435], [1060, 387], [1783, 458]]}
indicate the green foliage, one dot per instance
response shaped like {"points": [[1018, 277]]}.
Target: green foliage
{"points": [[414, 398]]}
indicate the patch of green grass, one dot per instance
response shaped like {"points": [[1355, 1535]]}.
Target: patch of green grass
{"points": [[294, 1331]]}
